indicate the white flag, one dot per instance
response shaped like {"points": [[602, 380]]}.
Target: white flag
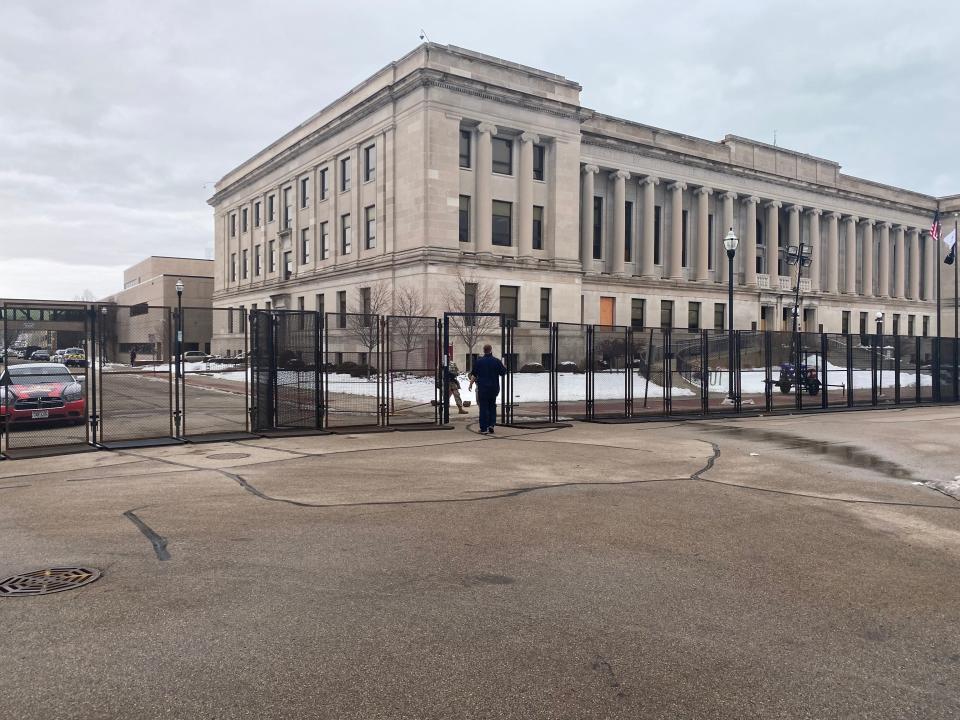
{"points": [[951, 239]]}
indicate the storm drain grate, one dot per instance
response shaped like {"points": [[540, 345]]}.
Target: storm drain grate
{"points": [[50, 580]]}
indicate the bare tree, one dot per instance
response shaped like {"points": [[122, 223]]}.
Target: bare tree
{"points": [[365, 325], [472, 295], [85, 296], [409, 325]]}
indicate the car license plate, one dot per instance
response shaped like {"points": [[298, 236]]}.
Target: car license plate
{"points": [[40, 414]]}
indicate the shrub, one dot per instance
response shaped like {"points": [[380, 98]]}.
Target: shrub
{"points": [[533, 367]]}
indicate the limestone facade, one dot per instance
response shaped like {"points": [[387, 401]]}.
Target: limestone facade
{"points": [[451, 162]]}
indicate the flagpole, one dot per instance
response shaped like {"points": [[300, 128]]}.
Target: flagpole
{"points": [[936, 355]]}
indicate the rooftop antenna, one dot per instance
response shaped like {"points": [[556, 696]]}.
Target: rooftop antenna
{"points": [[423, 35]]}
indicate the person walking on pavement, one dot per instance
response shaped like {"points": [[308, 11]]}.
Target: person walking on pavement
{"points": [[487, 371], [454, 385]]}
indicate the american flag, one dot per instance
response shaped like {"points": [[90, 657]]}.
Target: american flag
{"points": [[935, 228]]}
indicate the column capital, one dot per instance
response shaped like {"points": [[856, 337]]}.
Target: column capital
{"points": [[650, 180], [678, 186], [835, 216], [795, 209], [486, 127], [813, 212], [704, 190], [913, 230], [729, 195], [900, 227], [868, 222], [591, 169], [529, 137], [619, 175], [852, 219], [753, 200], [773, 204], [884, 225]]}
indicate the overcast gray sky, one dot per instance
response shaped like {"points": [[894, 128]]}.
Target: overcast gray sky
{"points": [[116, 116]]}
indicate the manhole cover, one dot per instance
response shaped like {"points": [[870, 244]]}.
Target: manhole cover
{"points": [[44, 582], [229, 456]]}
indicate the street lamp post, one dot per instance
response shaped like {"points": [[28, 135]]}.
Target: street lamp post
{"points": [[880, 353], [802, 256], [179, 358], [730, 242]]}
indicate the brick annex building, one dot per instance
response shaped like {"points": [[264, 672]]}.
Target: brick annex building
{"points": [[449, 164]]}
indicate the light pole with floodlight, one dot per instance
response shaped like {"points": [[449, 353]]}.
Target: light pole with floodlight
{"points": [[730, 242]]}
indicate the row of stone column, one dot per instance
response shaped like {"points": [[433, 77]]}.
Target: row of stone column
{"points": [[748, 240]]}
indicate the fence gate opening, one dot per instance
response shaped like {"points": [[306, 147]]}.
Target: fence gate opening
{"points": [[412, 382], [353, 362]]}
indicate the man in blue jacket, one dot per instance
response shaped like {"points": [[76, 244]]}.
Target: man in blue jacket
{"points": [[486, 373]]}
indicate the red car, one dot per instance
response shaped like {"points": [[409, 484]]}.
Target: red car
{"points": [[40, 392]]}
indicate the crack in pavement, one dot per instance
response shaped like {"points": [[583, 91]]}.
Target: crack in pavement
{"points": [[158, 541]]}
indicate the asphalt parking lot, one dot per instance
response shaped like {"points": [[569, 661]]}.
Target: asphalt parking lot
{"points": [[800, 566]]}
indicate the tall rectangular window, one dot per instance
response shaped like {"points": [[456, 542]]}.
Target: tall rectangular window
{"points": [[465, 148], [319, 305], [666, 314], [256, 214], [230, 320], [509, 302], [503, 156], [243, 219], [845, 322], [464, 233], [233, 224], [538, 227], [304, 192], [304, 246], [502, 222], [272, 257], [271, 208], [628, 231], [345, 174], [287, 208], [346, 235], [926, 326], [324, 241], [341, 308], [470, 298], [539, 158], [256, 261], [369, 163], [365, 305], [245, 264], [637, 309], [719, 316], [896, 323], [233, 267], [597, 228], [300, 304], [710, 249], [287, 265], [911, 325], [693, 315], [683, 241], [863, 324], [370, 227], [657, 249], [323, 188], [544, 307]]}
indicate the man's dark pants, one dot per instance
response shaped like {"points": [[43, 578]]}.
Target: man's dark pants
{"points": [[487, 400]]}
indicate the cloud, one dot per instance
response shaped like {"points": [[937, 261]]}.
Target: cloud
{"points": [[115, 116]]}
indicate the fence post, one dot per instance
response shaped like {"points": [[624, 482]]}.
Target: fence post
{"points": [[768, 370], [824, 376], [849, 371]]}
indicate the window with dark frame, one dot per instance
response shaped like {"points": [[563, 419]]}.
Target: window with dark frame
{"points": [[470, 298], [597, 228], [502, 156], [719, 316], [233, 224], [287, 264], [244, 264], [271, 208], [243, 219], [544, 307], [509, 302], [256, 214], [324, 187], [693, 316], [683, 241], [845, 322], [657, 260], [272, 259], [369, 163], [287, 208], [539, 158], [346, 235], [502, 223], [233, 267], [304, 246], [465, 143], [911, 325], [324, 241], [304, 192], [370, 227], [464, 230], [666, 314], [341, 309], [256, 261], [628, 231], [365, 306], [538, 227], [637, 309], [896, 323], [319, 306], [345, 174], [926, 326], [863, 325], [710, 249]]}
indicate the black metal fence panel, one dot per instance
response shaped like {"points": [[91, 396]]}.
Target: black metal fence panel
{"points": [[262, 370], [720, 376], [412, 379], [531, 360], [611, 382], [688, 371], [353, 370], [44, 377], [571, 367], [214, 378], [135, 360], [649, 373]]}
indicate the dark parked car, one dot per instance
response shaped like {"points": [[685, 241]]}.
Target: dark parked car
{"points": [[40, 356]]}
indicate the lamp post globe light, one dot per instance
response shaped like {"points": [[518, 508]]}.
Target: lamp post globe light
{"points": [[730, 242]]}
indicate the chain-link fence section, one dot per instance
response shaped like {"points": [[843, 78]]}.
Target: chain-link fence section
{"points": [[412, 380], [353, 369]]}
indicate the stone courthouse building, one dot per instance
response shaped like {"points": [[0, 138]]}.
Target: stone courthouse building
{"points": [[449, 164]]}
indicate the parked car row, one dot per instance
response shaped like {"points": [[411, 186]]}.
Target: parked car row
{"points": [[72, 356]]}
